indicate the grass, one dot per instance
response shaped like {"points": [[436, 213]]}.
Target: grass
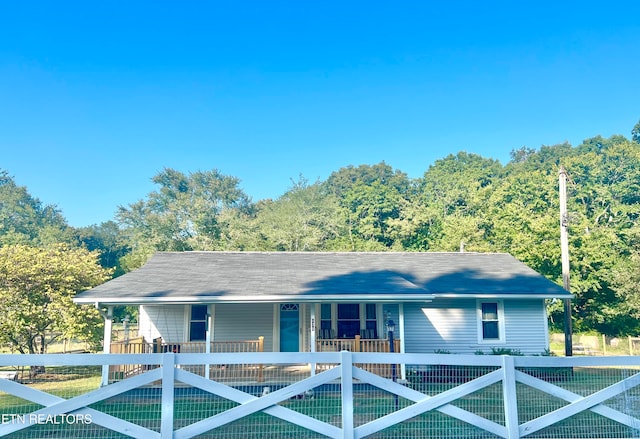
{"points": [[65, 382]]}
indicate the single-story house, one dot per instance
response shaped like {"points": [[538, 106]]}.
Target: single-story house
{"points": [[296, 301]]}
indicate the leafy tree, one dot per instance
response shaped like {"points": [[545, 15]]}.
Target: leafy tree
{"points": [[305, 218], [605, 206], [24, 219], [240, 230], [36, 290], [626, 279], [521, 154], [183, 215], [635, 133], [373, 197], [106, 239], [453, 197], [523, 211]]}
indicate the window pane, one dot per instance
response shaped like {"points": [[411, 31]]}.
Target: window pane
{"points": [[199, 312], [489, 311], [325, 311], [490, 330], [348, 328], [197, 331], [372, 329], [371, 311], [349, 311]]}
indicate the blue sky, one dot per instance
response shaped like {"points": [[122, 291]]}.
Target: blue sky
{"points": [[97, 97]]}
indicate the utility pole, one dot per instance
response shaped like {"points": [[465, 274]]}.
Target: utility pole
{"points": [[564, 248]]}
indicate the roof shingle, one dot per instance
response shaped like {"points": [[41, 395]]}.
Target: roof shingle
{"points": [[188, 277]]}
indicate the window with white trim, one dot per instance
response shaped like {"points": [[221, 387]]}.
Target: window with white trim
{"points": [[198, 323], [490, 321], [371, 324], [348, 320], [325, 321]]}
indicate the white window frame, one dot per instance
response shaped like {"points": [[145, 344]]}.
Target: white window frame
{"points": [[189, 321], [501, 322], [380, 323]]}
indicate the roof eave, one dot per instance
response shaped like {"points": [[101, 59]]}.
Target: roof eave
{"points": [[504, 296], [333, 298]]}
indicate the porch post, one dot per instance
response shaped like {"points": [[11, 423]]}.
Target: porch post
{"points": [[108, 320], [403, 367], [207, 337], [312, 335]]}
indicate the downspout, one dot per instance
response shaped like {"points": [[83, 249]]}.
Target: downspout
{"points": [[106, 348]]}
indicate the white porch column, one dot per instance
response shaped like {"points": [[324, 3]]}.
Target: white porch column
{"points": [[403, 368], [207, 337], [108, 320], [312, 335]]}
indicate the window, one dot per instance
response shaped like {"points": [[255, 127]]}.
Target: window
{"points": [[198, 323], [325, 321], [371, 328], [348, 320], [490, 322]]}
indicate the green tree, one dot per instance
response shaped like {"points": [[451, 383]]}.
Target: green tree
{"points": [[182, 215], [36, 290], [107, 239], [635, 133], [453, 201], [523, 212], [605, 209], [305, 218], [24, 219], [626, 280], [373, 198]]}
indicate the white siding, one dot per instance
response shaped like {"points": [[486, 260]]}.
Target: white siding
{"points": [[452, 325], [166, 321], [526, 325], [244, 322]]}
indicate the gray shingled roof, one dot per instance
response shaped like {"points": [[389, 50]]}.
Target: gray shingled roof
{"points": [[215, 277]]}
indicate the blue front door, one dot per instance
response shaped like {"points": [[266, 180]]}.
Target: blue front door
{"points": [[289, 324]]}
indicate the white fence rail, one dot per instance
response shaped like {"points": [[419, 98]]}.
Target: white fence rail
{"points": [[443, 396]]}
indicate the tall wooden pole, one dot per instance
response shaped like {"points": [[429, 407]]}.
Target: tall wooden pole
{"points": [[564, 248]]}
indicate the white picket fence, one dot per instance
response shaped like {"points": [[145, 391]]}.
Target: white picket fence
{"points": [[168, 371]]}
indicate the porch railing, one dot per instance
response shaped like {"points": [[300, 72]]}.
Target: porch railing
{"points": [[358, 344], [139, 346]]}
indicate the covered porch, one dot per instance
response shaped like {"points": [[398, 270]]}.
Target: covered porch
{"points": [[261, 327]]}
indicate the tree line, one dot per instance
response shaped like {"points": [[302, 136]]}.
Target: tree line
{"points": [[462, 201]]}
